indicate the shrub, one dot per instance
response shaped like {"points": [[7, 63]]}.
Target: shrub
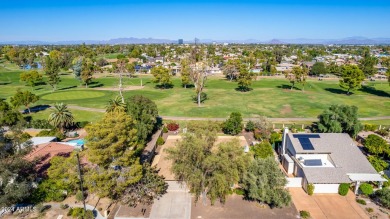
{"points": [[370, 127], [79, 196], [250, 126], [361, 201], [262, 150], [52, 132], [82, 124], [79, 213], [369, 210], [239, 191], [40, 124], [366, 189], [173, 126], [275, 137], [343, 189], [377, 163], [383, 195], [64, 206], [310, 189], [383, 132], [203, 97], [41, 208], [165, 129], [160, 141], [233, 125], [304, 214]]}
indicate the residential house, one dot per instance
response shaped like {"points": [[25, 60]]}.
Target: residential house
{"points": [[326, 160]]}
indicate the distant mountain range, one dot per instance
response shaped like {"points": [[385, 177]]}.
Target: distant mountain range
{"points": [[132, 40]]}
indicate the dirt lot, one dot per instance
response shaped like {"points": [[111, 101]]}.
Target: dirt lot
{"points": [[328, 206], [235, 208]]}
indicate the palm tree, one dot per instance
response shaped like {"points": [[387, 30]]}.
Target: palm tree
{"points": [[61, 117], [115, 105]]}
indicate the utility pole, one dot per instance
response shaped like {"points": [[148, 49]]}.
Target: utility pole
{"points": [[81, 180]]}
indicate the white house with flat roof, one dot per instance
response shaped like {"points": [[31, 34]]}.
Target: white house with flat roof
{"points": [[326, 160]]}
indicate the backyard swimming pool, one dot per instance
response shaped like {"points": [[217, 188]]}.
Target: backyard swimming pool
{"points": [[79, 142]]}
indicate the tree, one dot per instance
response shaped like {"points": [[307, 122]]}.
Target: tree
{"points": [[8, 115], [265, 182], [31, 78], [62, 176], [77, 68], [340, 119], [351, 78], [16, 173], [319, 68], [115, 105], [383, 195], [378, 163], [262, 150], [87, 69], [24, 98], [112, 139], [297, 75], [61, 117], [52, 70], [244, 79], [388, 75], [231, 69], [150, 187], [250, 126], [333, 68], [375, 144], [367, 63], [208, 170], [113, 146], [144, 111], [233, 125], [185, 73], [162, 77]]}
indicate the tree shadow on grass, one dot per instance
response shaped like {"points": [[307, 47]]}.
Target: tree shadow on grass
{"points": [[337, 91], [67, 88], [160, 86], [37, 108], [243, 89], [94, 84], [5, 83], [287, 87], [374, 91]]}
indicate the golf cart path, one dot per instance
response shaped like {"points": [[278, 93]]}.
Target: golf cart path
{"points": [[178, 118]]}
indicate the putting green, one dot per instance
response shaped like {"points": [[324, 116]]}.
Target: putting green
{"points": [[73, 95]]}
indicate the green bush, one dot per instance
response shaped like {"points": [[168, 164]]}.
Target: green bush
{"points": [[233, 125], [79, 196], [343, 189], [64, 206], [262, 150], [383, 195], [165, 129], [377, 163], [250, 126], [310, 189], [239, 191], [160, 141], [370, 127], [79, 213], [366, 189], [369, 210], [304, 214], [275, 137], [39, 124], [82, 124], [53, 132], [361, 201]]}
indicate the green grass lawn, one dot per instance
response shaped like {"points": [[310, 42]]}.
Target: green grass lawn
{"points": [[269, 97], [79, 115]]}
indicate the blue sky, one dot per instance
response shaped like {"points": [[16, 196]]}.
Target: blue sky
{"points": [[244, 19]]}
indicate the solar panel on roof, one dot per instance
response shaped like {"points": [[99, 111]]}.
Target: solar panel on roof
{"points": [[304, 139], [313, 162], [306, 135]]}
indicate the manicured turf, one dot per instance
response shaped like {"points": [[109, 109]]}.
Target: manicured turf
{"points": [[73, 95], [79, 115], [270, 97]]}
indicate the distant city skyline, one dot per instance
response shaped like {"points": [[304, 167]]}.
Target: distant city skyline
{"points": [[43, 20]]}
